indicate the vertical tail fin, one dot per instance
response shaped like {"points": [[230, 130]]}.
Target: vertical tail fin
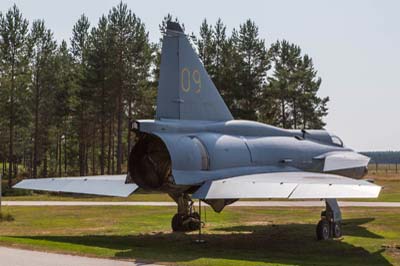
{"points": [[185, 90]]}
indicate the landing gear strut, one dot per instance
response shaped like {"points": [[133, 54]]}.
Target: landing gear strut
{"points": [[187, 219], [330, 225]]}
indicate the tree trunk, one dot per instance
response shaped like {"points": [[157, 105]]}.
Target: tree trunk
{"points": [[119, 135], [15, 168], [31, 164], [82, 151], [102, 130], [129, 125], [45, 162], [23, 157], [65, 154], [81, 159], [102, 148], [94, 151], [86, 158], [110, 135], [113, 150], [283, 113], [294, 114], [11, 127], [4, 168], [36, 130], [59, 154]]}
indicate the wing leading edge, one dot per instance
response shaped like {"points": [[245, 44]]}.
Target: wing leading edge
{"points": [[106, 185], [292, 185]]}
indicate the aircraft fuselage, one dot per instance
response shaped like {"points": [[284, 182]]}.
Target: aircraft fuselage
{"points": [[187, 153]]}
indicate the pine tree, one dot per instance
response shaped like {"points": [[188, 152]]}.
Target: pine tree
{"points": [[65, 91], [120, 19], [14, 67], [282, 84], [98, 62], [79, 43], [76, 105], [206, 48], [221, 60], [131, 53], [139, 90], [311, 107], [254, 65], [293, 89], [221, 44], [42, 63]]}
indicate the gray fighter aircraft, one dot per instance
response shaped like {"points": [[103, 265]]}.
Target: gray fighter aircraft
{"points": [[194, 148]]}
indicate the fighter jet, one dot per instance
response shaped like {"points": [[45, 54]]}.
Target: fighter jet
{"points": [[195, 149]]}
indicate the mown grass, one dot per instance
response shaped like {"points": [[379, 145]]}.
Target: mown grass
{"points": [[390, 187], [237, 236]]}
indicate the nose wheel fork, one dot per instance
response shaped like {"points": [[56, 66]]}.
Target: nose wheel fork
{"points": [[330, 225]]}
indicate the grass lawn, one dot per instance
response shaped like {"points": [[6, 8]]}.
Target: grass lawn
{"points": [[390, 187], [237, 236]]}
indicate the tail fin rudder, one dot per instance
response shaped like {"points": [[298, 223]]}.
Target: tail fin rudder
{"points": [[185, 90]]}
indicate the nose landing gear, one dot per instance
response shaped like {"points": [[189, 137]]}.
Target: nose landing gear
{"points": [[330, 225]]}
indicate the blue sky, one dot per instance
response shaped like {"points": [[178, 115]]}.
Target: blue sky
{"points": [[355, 46]]}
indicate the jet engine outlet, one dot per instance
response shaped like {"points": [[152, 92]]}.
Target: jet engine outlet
{"points": [[149, 162]]}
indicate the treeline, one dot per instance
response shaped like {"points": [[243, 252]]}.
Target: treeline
{"points": [[383, 157], [65, 108], [277, 85]]}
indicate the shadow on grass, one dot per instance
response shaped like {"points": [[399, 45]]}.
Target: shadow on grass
{"points": [[6, 217], [285, 244], [351, 227]]}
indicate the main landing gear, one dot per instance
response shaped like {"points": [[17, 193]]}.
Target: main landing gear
{"points": [[330, 225], [187, 219]]}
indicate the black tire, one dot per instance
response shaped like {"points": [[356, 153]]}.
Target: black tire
{"points": [[195, 215], [177, 223], [323, 230], [194, 225], [337, 230]]}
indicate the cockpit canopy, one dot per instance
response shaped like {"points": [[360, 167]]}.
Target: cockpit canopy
{"points": [[322, 136], [336, 141]]}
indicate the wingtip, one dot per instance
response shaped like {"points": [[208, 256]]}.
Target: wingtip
{"points": [[17, 185]]}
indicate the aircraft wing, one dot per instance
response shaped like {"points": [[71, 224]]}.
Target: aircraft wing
{"points": [[105, 185], [292, 185]]}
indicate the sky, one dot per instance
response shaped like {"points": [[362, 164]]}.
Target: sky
{"points": [[355, 46]]}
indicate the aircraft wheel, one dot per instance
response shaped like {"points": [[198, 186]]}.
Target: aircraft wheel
{"points": [[323, 230], [194, 224], [195, 215], [177, 223], [337, 229]]}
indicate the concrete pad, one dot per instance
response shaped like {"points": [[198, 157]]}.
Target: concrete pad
{"points": [[19, 257]]}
